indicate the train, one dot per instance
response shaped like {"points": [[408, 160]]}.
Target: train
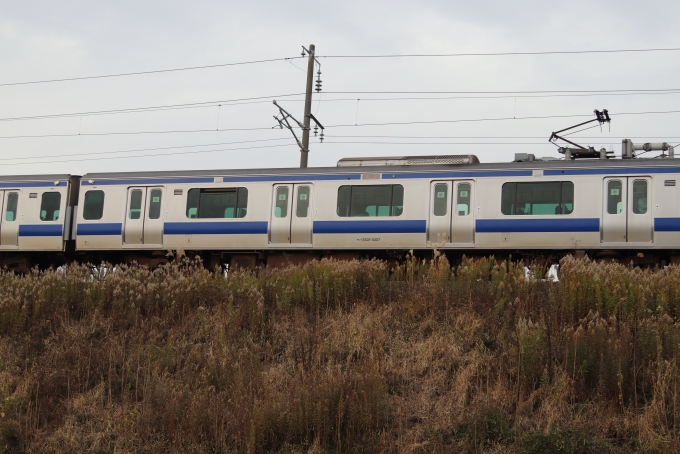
{"points": [[619, 209]]}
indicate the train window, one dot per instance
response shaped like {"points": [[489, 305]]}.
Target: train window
{"points": [[639, 197], [135, 204], [93, 207], [567, 204], [302, 210], [463, 204], [281, 202], [370, 201], [12, 203], [49, 206], [155, 199], [508, 198], [614, 197], [441, 197], [221, 203], [544, 198]]}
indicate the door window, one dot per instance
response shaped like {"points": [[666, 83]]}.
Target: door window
{"points": [[155, 204], [281, 202], [12, 202], [441, 197], [463, 204], [302, 210], [639, 196], [135, 204], [614, 197]]}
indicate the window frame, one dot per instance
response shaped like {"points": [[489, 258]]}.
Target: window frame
{"points": [[351, 187], [139, 212], [16, 205], [435, 205], [560, 203], [85, 204], [42, 200], [241, 194], [307, 200], [634, 205], [151, 203], [282, 207]]}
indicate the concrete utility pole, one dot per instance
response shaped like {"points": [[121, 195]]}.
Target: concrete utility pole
{"points": [[304, 152]]}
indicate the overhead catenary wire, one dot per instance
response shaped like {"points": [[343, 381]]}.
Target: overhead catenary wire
{"points": [[279, 146], [404, 123], [478, 137], [139, 73], [123, 133], [99, 153], [259, 99], [270, 60], [147, 155], [499, 54], [267, 100], [456, 143], [333, 140]]}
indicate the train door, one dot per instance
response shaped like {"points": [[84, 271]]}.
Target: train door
{"points": [[627, 215], [291, 218], [439, 229], [451, 213], [9, 223], [143, 218]]}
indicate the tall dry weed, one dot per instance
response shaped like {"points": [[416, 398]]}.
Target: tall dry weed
{"points": [[482, 356]]}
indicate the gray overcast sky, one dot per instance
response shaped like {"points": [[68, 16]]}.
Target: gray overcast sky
{"points": [[42, 40]]}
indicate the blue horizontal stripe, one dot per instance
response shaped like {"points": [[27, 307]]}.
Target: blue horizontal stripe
{"points": [[102, 228], [615, 171], [28, 184], [85, 181], [216, 228], [40, 230], [284, 178], [538, 225], [467, 174], [667, 224], [369, 226]]}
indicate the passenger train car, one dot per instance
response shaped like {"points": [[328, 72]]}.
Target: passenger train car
{"points": [[378, 207]]}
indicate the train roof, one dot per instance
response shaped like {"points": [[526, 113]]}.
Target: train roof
{"points": [[581, 166], [27, 181]]}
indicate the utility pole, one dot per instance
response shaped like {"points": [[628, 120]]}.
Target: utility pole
{"points": [[304, 152], [308, 116]]}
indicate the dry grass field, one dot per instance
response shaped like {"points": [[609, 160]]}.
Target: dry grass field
{"points": [[342, 357]]}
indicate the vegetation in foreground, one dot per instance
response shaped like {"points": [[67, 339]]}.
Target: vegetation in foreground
{"points": [[341, 357]]}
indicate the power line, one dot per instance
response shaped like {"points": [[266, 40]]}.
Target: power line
{"points": [[153, 108], [458, 143], [25, 158], [417, 98], [136, 150], [490, 119], [498, 54], [221, 65], [487, 137], [267, 99], [145, 155], [134, 133], [336, 126], [137, 73], [502, 92]]}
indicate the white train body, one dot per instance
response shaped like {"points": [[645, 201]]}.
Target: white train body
{"points": [[628, 205]]}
